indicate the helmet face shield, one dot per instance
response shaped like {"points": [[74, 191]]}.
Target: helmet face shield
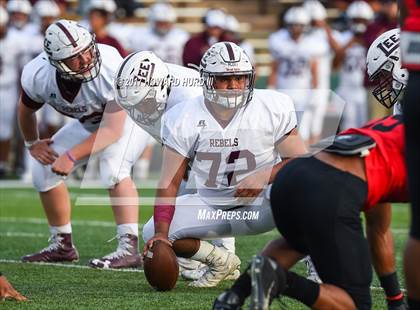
{"points": [[388, 90], [88, 60], [228, 98], [148, 110]]}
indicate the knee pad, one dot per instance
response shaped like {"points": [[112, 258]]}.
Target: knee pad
{"points": [[43, 178]]}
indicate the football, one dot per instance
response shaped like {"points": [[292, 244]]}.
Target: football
{"points": [[161, 267]]}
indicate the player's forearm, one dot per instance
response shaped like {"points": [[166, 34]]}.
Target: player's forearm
{"points": [[164, 209], [96, 142], [314, 74], [382, 250], [331, 41], [276, 169], [272, 78], [27, 123]]}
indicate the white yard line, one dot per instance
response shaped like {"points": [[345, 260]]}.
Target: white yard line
{"points": [[22, 234], [30, 220], [152, 183], [11, 261]]}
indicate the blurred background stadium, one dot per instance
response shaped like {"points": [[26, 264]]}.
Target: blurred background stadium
{"points": [[133, 25], [165, 28]]}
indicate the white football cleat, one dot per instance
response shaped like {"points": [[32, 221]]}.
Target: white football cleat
{"points": [[198, 273], [221, 264]]}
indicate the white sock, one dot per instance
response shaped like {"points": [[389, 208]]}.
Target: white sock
{"points": [[204, 251], [131, 228], [65, 229]]}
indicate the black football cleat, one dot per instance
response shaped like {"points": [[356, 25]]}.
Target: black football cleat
{"points": [[268, 281], [228, 300]]}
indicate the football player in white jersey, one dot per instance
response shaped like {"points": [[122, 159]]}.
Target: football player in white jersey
{"points": [[294, 67], [351, 61], [76, 76], [324, 46], [47, 12], [20, 11], [13, 46], [146, 88], [161, 36], [232, 29], [233, 136]]}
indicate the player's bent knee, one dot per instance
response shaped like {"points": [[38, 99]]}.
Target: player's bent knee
{"points": [[43, 178], [111, 174], [148, 230]]}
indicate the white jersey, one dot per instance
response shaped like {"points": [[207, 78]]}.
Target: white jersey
{"points": [[223, 156], [13, 47], [352, 71], [185, 86], [39, 83], [294, 58], [124, 33], [324, 54], [169, 47], [249, 50]]}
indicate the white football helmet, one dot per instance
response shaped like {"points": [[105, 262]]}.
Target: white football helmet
{"points": [[226, 59], [19, 6], [384, 67], [215, 18], [66, 39], [162, 12], [232, 24], [142, 86], [359, 10], [4, 17], [108, 6], [45, 8], [315, 9], [297, 15]]}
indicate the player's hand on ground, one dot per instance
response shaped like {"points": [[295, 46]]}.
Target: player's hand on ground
{"points": [[42, 152], [62, 165], [8, 292], [252, 186], [156, 237]]}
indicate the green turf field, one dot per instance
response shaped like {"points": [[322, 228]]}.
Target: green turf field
{"points": [[23, 230]]}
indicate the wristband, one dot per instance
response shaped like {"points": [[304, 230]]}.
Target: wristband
{"points": [[29, 144], [71, 157], [163, 213]]}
